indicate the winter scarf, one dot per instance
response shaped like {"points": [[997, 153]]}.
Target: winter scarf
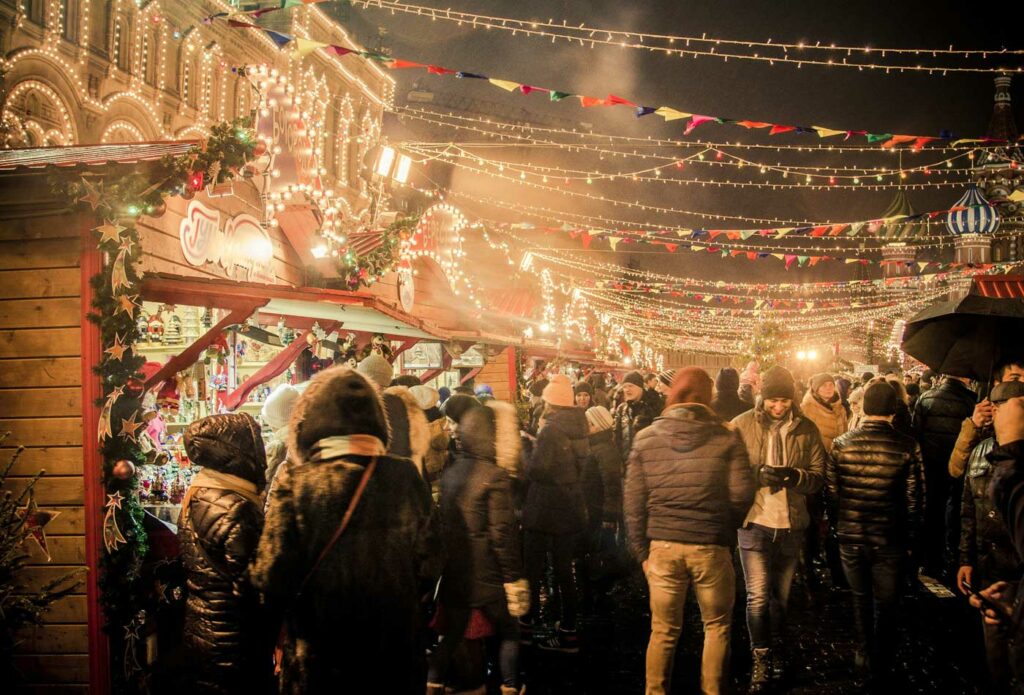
{"points": [[216, 480], [331, 448]]}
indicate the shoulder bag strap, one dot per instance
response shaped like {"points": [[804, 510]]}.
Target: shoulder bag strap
{"points": [[367, 472]]}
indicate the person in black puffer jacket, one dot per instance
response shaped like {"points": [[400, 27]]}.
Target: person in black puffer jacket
{"points": [[938, 414], [354, 621], [727, 402], [484, 568], [688, 488], [875, 482], [555, 513], [228, 638]]}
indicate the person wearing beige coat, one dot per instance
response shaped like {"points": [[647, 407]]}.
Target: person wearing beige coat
{"points": [[822, 405]]}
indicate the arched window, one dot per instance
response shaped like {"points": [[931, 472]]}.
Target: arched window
{"points": [[69, 20], [187, 88], [146, 67], [118, 45]]}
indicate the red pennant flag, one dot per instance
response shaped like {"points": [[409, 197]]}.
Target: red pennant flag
{"points": [[695, 121], [713, 234], [899, 140], [438, 70], [671, 247], [921, 142], [613, 100], [776, 129], [586, 240], [241, 25], [815, 259], [735, 253], [586, 101], [751, 255], [338, 50], [837, 229], [819, 231], [526, 89], [397, 64], [732, 236], [753, 124], [790, 259]]}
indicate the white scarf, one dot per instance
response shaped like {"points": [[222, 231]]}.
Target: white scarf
{"points": [[330, 448]]}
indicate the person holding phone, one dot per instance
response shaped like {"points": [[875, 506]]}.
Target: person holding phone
{"points": [[788, 461], [875, 486], [986, 553]]}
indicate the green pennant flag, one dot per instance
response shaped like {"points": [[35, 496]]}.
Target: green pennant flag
{"points": [[802, 260], [558, 96], [747, 233], [876, 137]]}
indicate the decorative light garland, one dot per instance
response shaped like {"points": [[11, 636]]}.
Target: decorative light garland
{"points": [[703, 46]]}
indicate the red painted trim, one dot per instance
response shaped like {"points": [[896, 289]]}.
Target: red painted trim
{"points": [[407, 343], [446, 364], [92, 352], [472, 374]]}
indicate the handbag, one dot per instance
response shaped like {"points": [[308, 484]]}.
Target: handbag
{"points": [[282, 634]]}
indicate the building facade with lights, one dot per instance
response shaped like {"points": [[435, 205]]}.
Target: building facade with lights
{"points": [[121, 71]]}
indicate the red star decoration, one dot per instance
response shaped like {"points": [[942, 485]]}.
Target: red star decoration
{"points": [[127, 245], [35, 520], [127, 303], [114, 500], [93, 196], [129, 426], [118, 349]]}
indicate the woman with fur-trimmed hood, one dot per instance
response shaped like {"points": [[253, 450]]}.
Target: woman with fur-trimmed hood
{"points": [[356, 625], [409, 430], [484, 570]]}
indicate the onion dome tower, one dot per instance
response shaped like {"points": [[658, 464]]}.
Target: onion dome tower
{"points": [[973, 227], [899, 254]]}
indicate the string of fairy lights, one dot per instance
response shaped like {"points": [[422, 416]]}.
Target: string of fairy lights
{"points": [[815, 53]]}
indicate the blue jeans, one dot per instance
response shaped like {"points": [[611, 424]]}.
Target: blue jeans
{"points": [[769, 558]]}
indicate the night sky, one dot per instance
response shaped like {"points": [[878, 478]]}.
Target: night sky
{"points": [[840, 98]]}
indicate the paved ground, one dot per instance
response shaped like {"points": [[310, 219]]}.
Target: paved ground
{"points": [[940, 650]]}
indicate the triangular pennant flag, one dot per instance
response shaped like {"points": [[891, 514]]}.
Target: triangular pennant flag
{"points": [[780, 256], [695, 121], [836, 230], [339, 50], [826, 132], [751, 255], [753, 124], [507, 85], [526, 89], [397, 64], [790, 258], [819, 231], [586, 239], [919, 143], [614, 241], [776, 129], [470, 76], [876, 137], [586, 101], [713, 234], [802, 260], [281, 40], [303, 47], [670, 114], [558, 96], [671, 247], [236, 24], [613, 100], [438, 70], [644, 110], [694, 247], [848, 261], [779, 233], [898, 140], [747, 233]]}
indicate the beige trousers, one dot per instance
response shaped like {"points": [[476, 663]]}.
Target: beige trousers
{"points": [[671, 569]]}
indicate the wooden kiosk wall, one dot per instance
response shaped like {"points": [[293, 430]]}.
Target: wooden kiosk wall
{"points": [[41, 398]]}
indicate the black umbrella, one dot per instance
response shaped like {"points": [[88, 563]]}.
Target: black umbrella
{"points": [[967, 336]]}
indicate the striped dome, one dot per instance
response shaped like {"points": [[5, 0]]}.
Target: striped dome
{"points": [[978, 218]]}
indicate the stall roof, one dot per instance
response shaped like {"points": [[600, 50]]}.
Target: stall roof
{"points": [[1003, 286], [91, 155], [355, 310]]}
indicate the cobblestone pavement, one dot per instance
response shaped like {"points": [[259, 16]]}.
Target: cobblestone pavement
{"points": [[940, 650]]}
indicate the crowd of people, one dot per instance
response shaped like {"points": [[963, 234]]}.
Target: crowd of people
{"points": [[395, 538]]}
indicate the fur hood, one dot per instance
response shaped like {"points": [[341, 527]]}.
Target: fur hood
{"points": [[507, 442], [415, 428]]}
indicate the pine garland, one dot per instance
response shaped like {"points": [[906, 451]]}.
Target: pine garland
{"points": [[118, 196], [361, 271]]}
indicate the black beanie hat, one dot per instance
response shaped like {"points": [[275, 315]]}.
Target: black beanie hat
{"points": [[584, 387], [458, 405], [777, 382], [338, 402], [635, 378], [880, 399]]}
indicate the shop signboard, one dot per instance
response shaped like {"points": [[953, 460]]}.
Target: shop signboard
{"points": [[423, 356], [240, 246], [469, 358]]}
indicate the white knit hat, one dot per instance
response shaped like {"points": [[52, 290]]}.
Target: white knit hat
{"points": [[426, 397], [600, 418], [277, 409], [376, 369]]}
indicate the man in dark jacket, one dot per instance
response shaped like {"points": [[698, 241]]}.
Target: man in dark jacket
{"points": [[688, 486], [727, 401], [353, 620], [554, 513], [632, 415], [483, 570], [228, 637], [874, 482], [938, 415], [653, 395], [788, 460]]}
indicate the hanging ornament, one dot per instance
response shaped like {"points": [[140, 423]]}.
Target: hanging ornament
{"points": [[93, 194], [131, 644], [123, 470], [112, 536], [109, 231], [127, 303], [195, 180], [104, 429], [213, 171], [117, 350], [35, 520], [118, 273], [129, 427]]}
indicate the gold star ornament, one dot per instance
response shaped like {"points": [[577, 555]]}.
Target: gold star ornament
{"points": [[110, 231], [117, 350], [127, 303], [129, 427]]}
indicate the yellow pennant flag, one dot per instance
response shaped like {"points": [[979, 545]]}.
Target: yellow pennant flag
{"points": [[614, 241], [1017, 196], [694, 247], [827, 132], [670, 114], [780, 256], [779, 233], [848, 261], [507, 85], [303, 47]]}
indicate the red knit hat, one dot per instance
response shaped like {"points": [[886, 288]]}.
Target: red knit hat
{"points": [[691, 385]]}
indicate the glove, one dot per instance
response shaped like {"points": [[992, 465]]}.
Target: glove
{"points": [[517, 594], [771, 476], [789, 477]]}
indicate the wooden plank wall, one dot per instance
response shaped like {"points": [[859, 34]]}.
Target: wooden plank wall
{"points": [[495, 374], [41, 405]]}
